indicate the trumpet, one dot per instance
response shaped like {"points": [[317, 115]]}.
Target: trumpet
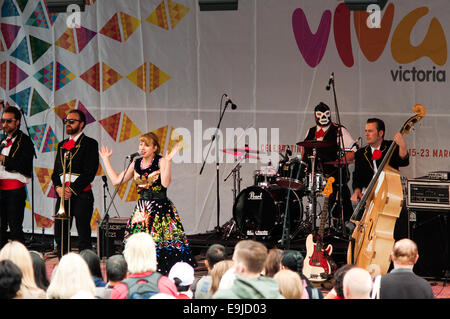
{"points": [[61, 214]]}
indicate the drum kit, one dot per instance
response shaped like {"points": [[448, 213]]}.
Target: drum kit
{"points": [[280, 197]]}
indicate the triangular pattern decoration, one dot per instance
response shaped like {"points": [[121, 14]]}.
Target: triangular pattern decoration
{"points": [[161, 133], [63, 76], [84, 36], [45, 76], [175, 139], [122, 189], [89, 117], [22, 4], [111, 29], [53, 16], [37, 18], [22, 99], [129, 130], [139, 77], [38, 48], [3, 75], [38, 104], [109, 76], [21, 52], [37, 134], [9, 32], [129, 24], [51, 142], [9, 9], [16, 75], [133, 195], [92, 76], [42, 221], [67, 41], [157, 77], [100, 170], [159, 17], [176, 12], [95, 220], [52, 192], [63, 109], [44, 176], [111, 125]]}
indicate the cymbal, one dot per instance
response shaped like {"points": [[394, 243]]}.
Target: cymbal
{"points": [[314, 144], [336, 162], [239, 154]]}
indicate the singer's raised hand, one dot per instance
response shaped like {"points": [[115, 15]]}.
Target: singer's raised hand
{"points": [[105, 152]]}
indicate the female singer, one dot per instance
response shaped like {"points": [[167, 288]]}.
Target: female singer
{"points": [[154, 213]]}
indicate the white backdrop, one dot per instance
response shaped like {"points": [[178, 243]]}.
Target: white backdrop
{"points": [[163, 65]]}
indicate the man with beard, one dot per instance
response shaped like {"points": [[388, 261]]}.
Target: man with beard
{"points": [[16, 167], [82, 162], [329, 132]]}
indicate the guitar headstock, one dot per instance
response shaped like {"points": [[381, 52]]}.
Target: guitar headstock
{"points": [[328, 189], [420, 113]]}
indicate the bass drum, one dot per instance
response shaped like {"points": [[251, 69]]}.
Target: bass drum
{"points": [[260, 211]]}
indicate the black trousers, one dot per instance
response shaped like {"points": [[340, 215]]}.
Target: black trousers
{"points": [[12, 211], [334, 204], [81, 207]]}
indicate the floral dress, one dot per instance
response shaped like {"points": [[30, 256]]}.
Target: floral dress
{"points": [[155, 214]]}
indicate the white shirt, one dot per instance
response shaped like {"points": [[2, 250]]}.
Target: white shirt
{"points": [[4, 174]]}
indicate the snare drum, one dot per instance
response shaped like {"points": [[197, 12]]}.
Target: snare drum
{"points": [[292, 174], [320, 182], [265, 177]]}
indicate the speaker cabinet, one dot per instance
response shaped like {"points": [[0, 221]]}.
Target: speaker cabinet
{"points": [[110, 237], [430, 230]]}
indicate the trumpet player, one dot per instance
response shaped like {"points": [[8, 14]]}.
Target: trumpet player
{"points": [[16, 165], [72, 183]]}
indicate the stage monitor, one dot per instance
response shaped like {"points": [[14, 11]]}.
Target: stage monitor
{"points": [[361, 5], [61, 5], [218, 5]]}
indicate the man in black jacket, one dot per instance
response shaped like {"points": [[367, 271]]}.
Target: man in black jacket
{"points": [[81, 167], [369, 158], [16, 167]]}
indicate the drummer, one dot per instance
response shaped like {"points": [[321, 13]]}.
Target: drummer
{"points": [[326, 159]]}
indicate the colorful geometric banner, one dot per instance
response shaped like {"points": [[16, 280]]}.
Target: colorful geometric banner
{"points": [[176, 12], [22, 99], [16, 75], [37, 18], [111, 29], [67, 41], [9, 9], [139, 77], [129, 130], [38, 104], [21, 52], [111, 125], [129, 24], [89, 118], [38, 48], [63, 109], [159, 17], [161, 133], [132, 193], [95, 219], [92, 76], [109, 77], [37, 134], [9, 32], [51, 142], [45, 76], [42, 221], [3, 75], [157, 77], [84, 36], [63, 76], [44, 176]]}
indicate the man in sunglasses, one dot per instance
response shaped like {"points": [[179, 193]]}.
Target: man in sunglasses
{"points": [[16, 167], [81, 167]]}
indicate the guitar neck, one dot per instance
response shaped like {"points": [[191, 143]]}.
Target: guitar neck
{"points": [[322, 222]]}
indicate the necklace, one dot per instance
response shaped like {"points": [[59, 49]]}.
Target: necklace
{"points": [[145, 167]]}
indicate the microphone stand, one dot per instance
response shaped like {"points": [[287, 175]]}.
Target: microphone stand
{"points": [[215, 138], [340, 155]]}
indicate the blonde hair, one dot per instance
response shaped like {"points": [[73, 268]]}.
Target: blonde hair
{"points": [[219, 269], [289, 284], [405, 251], [19, 255], [140, 253], [252, 254], [70, 277], [150, 138]]}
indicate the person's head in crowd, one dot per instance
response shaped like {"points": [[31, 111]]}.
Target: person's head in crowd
{"points": [[293, 260], [116, 269], [71, 278], [140, 253], [19, 254], [273, 262], [338, 280], [404, 254], [93, 262], [214, 254], [40, 270], [357, 284], [249, 258], [217, 273], [182, 275], [10, 279], [290, 284]]}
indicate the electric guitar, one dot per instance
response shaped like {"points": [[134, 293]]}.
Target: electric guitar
{"points": [[316, 266]]}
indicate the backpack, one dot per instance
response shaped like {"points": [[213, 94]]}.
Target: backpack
{"points": [[142, 290]]}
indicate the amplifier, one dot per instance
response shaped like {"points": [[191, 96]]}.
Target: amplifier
{"points": [[428, 193], [439, 175], [110, 239]]}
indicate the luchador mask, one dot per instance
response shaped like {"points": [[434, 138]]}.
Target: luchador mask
{"points": [[323, 114]]}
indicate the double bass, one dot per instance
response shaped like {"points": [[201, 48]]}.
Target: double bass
{"points": [[372, 239]]}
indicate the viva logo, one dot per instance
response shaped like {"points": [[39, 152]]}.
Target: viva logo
{"points": [[373, 41]]}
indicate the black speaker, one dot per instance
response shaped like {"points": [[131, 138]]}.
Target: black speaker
{"points": [[430, 230], [110, 237]]}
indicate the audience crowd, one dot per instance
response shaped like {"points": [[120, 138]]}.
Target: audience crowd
{"points": [[251, 272]]}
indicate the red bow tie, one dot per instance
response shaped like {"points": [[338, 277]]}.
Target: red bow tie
{"points": [[376, 155], [320, 133], [69, 144], [8, 142]]}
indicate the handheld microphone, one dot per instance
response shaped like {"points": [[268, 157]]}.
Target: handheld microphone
{"points": [[134, 155], [330, 81], [233, 106]]}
